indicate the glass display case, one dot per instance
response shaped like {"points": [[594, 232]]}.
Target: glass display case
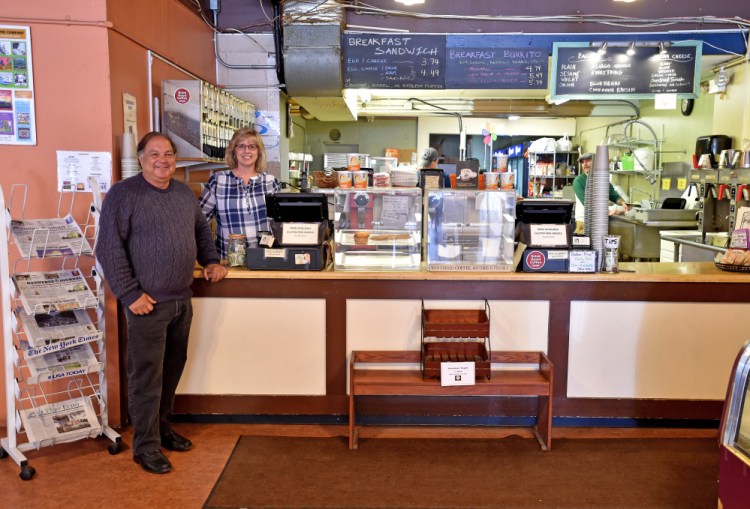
{"points": [[470, 230], [378, 229]]}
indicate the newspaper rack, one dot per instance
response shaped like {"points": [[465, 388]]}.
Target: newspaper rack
{"points": [[55, 378], [456, 335]]}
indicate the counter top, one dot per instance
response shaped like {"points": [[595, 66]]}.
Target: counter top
{"points": [[630, 272], [656, 223]]}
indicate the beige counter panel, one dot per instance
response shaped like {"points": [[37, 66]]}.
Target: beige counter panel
{"points": [[256, 346], [654, 350]]}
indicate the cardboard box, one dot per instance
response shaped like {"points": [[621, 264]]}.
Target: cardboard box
{"points": [[404, 155], [545, 260]]}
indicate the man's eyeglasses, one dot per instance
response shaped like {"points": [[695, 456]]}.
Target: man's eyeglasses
{"points": [[247, 147]]}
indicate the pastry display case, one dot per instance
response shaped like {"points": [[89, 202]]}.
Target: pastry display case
{"points": [[378, 229], [470, 230]]}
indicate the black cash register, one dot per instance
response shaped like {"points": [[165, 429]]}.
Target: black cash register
{"points": [[546, 227], [299, 234]]}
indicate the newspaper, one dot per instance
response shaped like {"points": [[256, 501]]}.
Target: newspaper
{"points": [[49, 332], [65, 421], [60, 290], [74, 361], [39, 238]]}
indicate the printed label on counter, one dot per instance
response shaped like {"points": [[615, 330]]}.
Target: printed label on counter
{"points": [[548, 235]]}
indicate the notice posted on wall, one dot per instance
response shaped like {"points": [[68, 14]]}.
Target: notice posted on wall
{"points": [[74, 170], [17, 118]]}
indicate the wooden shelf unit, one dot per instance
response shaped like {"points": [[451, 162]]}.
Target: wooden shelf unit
{"points": [[366, 378]]}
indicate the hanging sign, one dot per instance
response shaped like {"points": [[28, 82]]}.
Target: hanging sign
{"points": [[484, 61], [580, 72], [415, 61]]}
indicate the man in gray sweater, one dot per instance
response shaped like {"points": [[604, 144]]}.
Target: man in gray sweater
{"points": [[151, 231]]}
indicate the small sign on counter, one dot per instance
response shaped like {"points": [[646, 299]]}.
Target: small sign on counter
{"points": [[300, 234], [545, 260], [548, 235], [457, 373], [582, 260]]}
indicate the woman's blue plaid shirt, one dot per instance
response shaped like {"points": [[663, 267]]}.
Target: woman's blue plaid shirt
{"points": [[237, 208]]}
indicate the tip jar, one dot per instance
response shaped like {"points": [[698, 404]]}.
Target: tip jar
{"points": [[236, 250]]}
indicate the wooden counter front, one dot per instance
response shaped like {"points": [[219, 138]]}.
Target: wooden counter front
{"points": [[668, 292]]}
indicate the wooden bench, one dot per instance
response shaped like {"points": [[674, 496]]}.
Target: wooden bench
{"points": [[374, 380]]}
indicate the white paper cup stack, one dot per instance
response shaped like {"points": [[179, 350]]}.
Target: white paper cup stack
{"points": [[597, 201], [128, 158]]}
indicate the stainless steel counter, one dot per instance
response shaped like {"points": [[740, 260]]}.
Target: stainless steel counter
{"points": [[692, 248], [641, 239]]}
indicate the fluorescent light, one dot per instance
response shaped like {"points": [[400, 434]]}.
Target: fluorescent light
{"points": [[514, 117], [631, 49], [409, 2]]}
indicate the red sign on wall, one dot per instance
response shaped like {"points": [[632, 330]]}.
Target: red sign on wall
{"points": [[181, 95]]}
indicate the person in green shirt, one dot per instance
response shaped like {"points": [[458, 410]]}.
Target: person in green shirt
{"points": [[579, 187]]}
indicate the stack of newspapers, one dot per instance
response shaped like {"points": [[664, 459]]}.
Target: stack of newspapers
{"points": [[42, 238], [65, 421], [59, 290], [57, 341]]}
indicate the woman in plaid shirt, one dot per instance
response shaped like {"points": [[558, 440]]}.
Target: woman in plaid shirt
{"points": [[237, 196]]}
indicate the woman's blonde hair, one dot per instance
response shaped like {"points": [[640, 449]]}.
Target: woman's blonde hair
{"points": [[246, 132]]}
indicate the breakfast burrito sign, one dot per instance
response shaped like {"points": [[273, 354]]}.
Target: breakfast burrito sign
{"points": [[17, 119]]}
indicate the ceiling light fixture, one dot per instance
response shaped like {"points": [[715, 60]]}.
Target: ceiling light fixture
{"points": [[410, 2], [631, 49]]}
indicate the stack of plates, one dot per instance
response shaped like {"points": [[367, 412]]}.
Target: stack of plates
{"points": [[129, 167], [404, 178]]}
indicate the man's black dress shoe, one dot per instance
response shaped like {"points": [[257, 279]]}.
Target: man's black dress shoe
{"points": [[174, 442], [153, 462]]}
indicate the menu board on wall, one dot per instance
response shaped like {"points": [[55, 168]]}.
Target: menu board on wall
{"points": [[17, 117], [394, 61], [482, 62], [580, 72]]}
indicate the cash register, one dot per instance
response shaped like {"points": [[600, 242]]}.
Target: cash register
{"points": [[299, 234]]}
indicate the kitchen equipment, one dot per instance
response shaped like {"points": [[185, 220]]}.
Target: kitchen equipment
{"points": [[744, 159], [728, 158], [712, 145], [673, 203]]}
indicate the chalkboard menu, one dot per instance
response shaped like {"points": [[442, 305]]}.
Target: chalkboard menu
{"points": [[581, 73], [394, 61], [496, 67]]}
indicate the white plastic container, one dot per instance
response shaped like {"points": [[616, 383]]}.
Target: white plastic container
{"points": [[644, 159]]}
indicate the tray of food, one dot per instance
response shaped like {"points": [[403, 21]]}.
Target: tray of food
{"points": [[733, 260], [368, 238]]}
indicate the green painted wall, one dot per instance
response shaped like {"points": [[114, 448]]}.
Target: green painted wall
{"points": [[370, 137]]}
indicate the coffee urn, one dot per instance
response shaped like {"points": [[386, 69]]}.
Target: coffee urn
{"points": [[712, 145]]}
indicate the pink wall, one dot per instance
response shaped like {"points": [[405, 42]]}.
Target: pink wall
{"points": [[86, 53]]}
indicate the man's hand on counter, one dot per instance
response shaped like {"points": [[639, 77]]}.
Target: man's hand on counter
{"points": [[214, 272]]}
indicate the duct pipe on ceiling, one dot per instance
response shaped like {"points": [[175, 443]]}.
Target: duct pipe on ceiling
{"points": [[278, 42]]}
